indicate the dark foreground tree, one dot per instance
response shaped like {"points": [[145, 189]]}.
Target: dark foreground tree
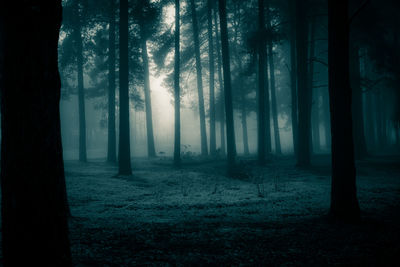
{"points": [[213, 145], [230, 128], [124, 136], [34, 201], [344, 204], [177, 143]]}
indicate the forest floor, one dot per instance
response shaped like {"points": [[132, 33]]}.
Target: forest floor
{"points": [[269, 216]]}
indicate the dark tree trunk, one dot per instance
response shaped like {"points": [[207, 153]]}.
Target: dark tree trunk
{"points": [[326, 119], [203, 133], [314, 92], [33, 192], [293, 77], [263, 98], [244, 127], [112, 149], [360, 146], [221, 88], [370, 122], [344, 203], [151, 151], [213, 146], [230, 127], [271, 62], [304, 99], [81, 89], [124, 150], [177, 143]]}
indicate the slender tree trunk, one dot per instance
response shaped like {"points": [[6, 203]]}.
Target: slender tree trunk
{"points": [[326, 119], [293, 77], [360, 146], [81, 90], [314, 92], [263, 111], [344, 203], [112, 149], [124, 135], [230, 127], [203, 133], [33, 193], [151, 151], [213, 145], [244, 127], [177, 143], [304, 104], [275, 113], [221, 88]]}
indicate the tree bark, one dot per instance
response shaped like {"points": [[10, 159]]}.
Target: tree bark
{"points": [[230, 127], [304, 103], [111, 150], [203, 133], [344, 203], [124, 135], [271, 62], [33, 192], [177, 143]]}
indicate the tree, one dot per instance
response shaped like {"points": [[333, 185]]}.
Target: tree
{"points": [[344, 203], [263, 95], [230, 128], [111, 150], [213, 145], [34, 200], [124, 136], [271, 62], [203, 133], [81, 82], [293, 76], [177, 143], [304, 95]]}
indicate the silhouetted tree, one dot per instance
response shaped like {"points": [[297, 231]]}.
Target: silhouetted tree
{"points": [[210, 7], [203, 133], [124, 159], [177, 97], [34, 200], [344, 203], [230, 128], [111, 150]]}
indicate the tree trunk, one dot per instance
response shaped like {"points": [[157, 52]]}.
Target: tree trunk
{"points": [[360, 146], [151, 151], [344, 203], [304, 104], [326, 119], [33, 193], [177, 143], [213, 145], [293, 77], [275, 113], [203, 133], [124, 136], [244, 128], [112, 150], [221, 88], [230, 127], [81, 90], [314, 92], [263, 96]]}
